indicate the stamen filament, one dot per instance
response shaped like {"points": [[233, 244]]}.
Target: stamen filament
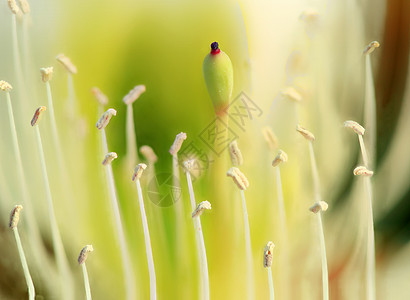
{"points": [[129, 277], [86, 282], [371, 251], [132, 153], [27, 276], [126, 260], [249, 261], [271, 290], [318, 199], [62, 264], [200, 242], [150, 260], [325, 276], [81, 260], [370, 111], [32, 227]]}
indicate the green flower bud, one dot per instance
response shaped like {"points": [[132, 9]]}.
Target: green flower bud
{"points": [[218, 74]]}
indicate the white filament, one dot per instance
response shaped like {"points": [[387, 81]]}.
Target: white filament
{"points": [[150, 260], [200, 242], [249, 263], [29, 281]]}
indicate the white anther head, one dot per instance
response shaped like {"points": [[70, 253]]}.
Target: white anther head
{"points": [[204, 205], [13, 6], [84, 254], [371, 47], [139, 169], [239, 178], [67, 64], [46, 74], [268, 255], [101, 98], [109, 157], [270, 138], [306, 133], [362, 171], [189, 164], [149, 154], [105, 118], [319, 206], [37, 115], [176, 146], [5, 86], [281, 157], [134, 94], [355, 126], [15, 216], [235, 153]]}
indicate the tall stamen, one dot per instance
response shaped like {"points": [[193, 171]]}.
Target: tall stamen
{"points": [[81, 260], [366, 174], [62, 264], [37, 248], [129, 277], [46, 76], [152, 279], [370, 122], [198, 231], [14, 219], [318, 200], [242, 182], [131, 139], [267, 264], [15, 10]]}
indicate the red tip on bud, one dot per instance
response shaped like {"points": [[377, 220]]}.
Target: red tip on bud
{"points": [[215, 48]]}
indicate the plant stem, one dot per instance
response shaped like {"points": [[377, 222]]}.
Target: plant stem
{"points": [[126, 260], [271, 290], [150, 260], [62, 264], [132, 153], [200, 242], [86, 281], [249, 263], [29, 281]]}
